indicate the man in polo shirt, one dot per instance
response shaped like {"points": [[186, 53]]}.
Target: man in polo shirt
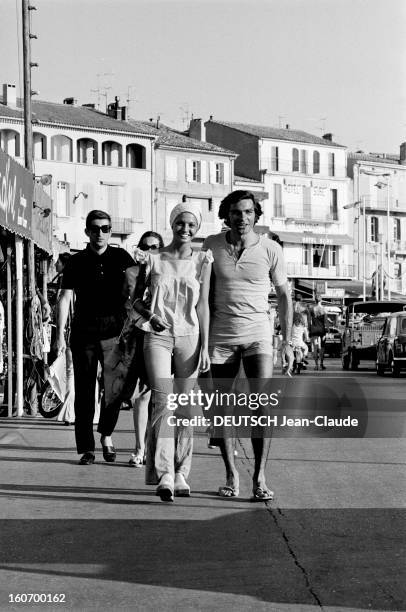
{"points": [[95, 275], [240, 328]]}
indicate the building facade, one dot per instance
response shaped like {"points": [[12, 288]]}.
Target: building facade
{"points": [[305, 192], [88, 160], [189, 169], [378, 216]]}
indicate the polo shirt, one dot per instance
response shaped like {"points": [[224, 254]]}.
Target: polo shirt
{"points": [[240, 312], [97, 281]]}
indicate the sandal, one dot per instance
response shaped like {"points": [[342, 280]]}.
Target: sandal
{"points": [[228, 491], [136, 460], [260, 494]]}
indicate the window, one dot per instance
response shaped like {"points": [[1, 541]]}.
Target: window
{"points": [[136, 156], [316, 162], [306, 254], [62, 199], [196, 170], [275, 159], [396, 229], [295, 160], [220, 174], [303, 161], [10, 142], [40, 146], [112, 154], [61, 148], [333, 255], [331, 164], [320, 256], [334, 204], [87, 151], [374, 229], [277, 200], [112, 197], [171, 169]]}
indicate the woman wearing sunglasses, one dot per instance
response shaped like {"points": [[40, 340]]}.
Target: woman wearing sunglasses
{"points": [[150, 242], [172, 296]]}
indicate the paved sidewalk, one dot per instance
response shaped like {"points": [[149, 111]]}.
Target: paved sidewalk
{"points": [[331, 540]]}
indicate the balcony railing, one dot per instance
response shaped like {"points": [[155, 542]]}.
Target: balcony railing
{"points": [[340, 271], [121, 225], [299, 214], [381, 203]]}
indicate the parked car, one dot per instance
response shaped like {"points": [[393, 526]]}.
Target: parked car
{"points": [[333, 342], [363, 327], [391, 346]]}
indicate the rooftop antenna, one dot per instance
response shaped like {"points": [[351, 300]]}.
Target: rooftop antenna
{"points": [[129, 99], [101, 90], [186, 115]]}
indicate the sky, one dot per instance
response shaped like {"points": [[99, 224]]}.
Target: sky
{"points": [[320, 66]]}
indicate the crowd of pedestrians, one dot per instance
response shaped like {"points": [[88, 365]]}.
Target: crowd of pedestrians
{"points": [[181, 313]]}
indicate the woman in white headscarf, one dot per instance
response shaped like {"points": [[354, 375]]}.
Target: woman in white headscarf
{"points": [[172, 296]]}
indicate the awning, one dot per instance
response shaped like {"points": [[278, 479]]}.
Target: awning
{"points": [[313, 238]]}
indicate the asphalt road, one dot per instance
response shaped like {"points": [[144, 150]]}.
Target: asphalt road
{"points": [[332, 539]]}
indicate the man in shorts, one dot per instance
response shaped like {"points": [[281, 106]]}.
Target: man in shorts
{"points": [[240, 328]]}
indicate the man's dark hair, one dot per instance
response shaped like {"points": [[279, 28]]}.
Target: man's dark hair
{"points": [[97, 214], [233, 198], [151, 234]]}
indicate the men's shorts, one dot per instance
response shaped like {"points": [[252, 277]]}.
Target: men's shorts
{"points": [[230, 353]]}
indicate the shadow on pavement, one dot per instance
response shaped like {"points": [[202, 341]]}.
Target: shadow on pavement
{"points": [[344, 558]]}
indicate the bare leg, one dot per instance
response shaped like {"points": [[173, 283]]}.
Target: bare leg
{"points": [[258, 369], [223, 377], [140, 417]]}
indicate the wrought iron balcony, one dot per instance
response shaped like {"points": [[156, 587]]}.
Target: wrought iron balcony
{"points": [[121, 225], [308, 271]]}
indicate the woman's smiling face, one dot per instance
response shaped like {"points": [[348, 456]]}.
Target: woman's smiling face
{"points": [[184, 227]]}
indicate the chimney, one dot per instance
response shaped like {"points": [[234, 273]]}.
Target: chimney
{"points": [[403, 154], [328, 137], [113, 108], [197, 129], [70, 101], [9, 95], [124, 113]]}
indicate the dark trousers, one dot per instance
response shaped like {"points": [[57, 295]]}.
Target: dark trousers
{"points": [[87, 353]]}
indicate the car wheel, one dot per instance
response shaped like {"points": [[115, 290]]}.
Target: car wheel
{"points": [[380, 369], [394, 368], [49, 403]]}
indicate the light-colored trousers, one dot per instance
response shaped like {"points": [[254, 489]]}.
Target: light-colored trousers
{"points": [[169, 447]]}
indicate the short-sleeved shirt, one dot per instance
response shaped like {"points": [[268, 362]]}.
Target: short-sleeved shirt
{"points": [[240, 308], [97, 281], [174, 288]]}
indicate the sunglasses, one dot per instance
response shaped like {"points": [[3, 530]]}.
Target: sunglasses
{"points": [[96, 229], [149, 247]]}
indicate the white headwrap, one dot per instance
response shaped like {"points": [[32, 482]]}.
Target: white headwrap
{"points": [[186, 207]]}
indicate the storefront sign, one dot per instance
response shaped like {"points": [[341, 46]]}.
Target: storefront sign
{"points": [[16, 191]]}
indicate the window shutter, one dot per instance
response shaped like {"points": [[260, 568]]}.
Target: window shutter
{"points": [[226, 173], [212, 172], [189, 171], [136, 205], [203, 171]]}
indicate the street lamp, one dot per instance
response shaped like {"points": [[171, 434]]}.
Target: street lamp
{"points": [[382, 185]]}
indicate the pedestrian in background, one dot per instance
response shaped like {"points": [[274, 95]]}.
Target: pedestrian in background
{"points": [[150, 242]]}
